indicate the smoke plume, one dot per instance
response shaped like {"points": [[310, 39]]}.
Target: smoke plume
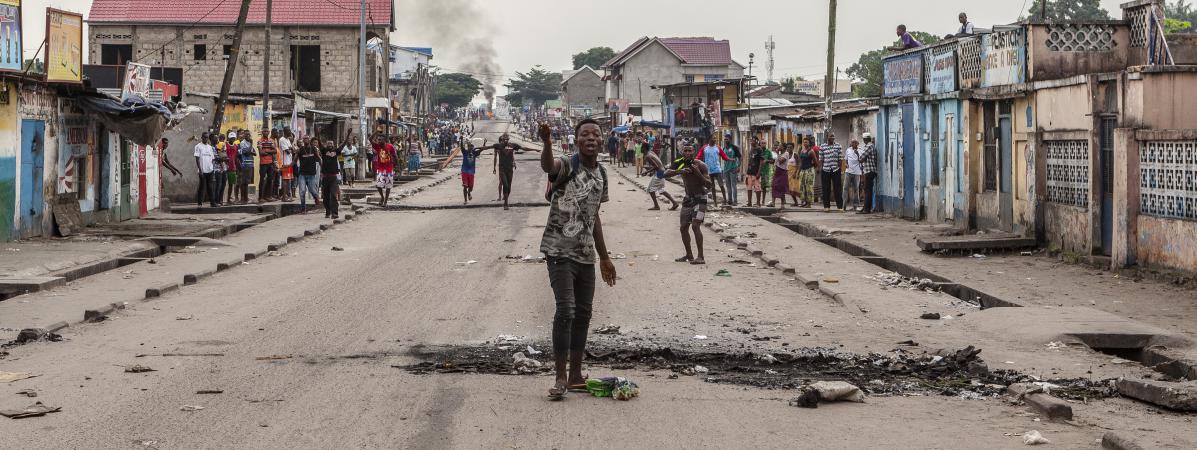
{"points": [[459, 30]]}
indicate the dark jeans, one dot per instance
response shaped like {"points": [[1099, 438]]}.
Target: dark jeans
{"points": [[217, 182], [870, 179], [573, 289], [243, 180], [267, 177], [328, 191], [833, 184], [203, 190]]}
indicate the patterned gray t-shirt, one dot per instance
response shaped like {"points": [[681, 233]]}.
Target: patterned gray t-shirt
{"points": [[569, 232]]}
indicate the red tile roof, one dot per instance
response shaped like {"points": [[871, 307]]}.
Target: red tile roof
{"points": [[691, 50], [286, 12], [700, 50]]}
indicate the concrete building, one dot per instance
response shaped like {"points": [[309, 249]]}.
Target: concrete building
{"points": [[1077, 134], [664, 61], [583, 92], [412, 83], [314, 45]]}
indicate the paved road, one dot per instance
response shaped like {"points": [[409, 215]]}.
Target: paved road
{"points": [[412, 279]]}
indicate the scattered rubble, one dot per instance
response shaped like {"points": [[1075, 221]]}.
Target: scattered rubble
{"points": [[607, 329], [1034, 437], [35, 410], [27, 392], [524, 364], [930, 316], [894, 279], [137, 368], [190, 408]]}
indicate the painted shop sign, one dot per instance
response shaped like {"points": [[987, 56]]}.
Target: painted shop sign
{"points": [[903, 75], [1003, 58], [942, 66]]}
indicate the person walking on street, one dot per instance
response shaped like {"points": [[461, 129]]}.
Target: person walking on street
{"points": [[852, 179], [245, 150], [573, 239], [656, 170], [469, 163], [613, 147], [287, 159], [781, 176], [309, 166], [831, 156], [767, 174], [234, 168], [266, 175], [713, 157], [413, 155], [220, 166], [792, 175], [808, 158], [504, 165], [752, 173], [384, 169], [732, 169], [162, 145], [695, 180], [868, 166], [330, 171], [349, 168], [204, 164]]}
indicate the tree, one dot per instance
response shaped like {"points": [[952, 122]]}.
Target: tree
{"points": [[456, 89], [867, 71], [536, 85], [1182, 12], [33, 65], [595, 57], [1062, 10]]}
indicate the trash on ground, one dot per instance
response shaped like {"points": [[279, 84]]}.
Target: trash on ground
{"points": [[831, 280], [466, 263], [209, 391], [740, 261], [723, 273], [524, 364], [930, 316], [9, 377], [837, 391], [509, 338], [338, 249], [909, 342], [533, 351], [34, 410], [607, 329], [137, 368], [273, 357], [27, 392], [1034, 437], [701, 369], [1026, 253], [700, 337], [1056, 345], [767, 359], [35, 335], [191, 408], [894, 279], [808, 399], [618, 388], [187, 317], [618, 256], [977, 255]]}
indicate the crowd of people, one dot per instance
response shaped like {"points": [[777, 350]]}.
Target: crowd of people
{"points": [[286, 169]]}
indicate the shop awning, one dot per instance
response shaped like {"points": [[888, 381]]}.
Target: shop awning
{"points": [[142, 123], [330, 113]]}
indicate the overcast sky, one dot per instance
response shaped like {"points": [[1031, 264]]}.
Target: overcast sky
{"points": [[548, 32]]}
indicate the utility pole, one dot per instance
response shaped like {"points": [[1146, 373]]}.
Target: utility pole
{"points": [[266, 71], [361, 76], [230, 66], [829, 83], [748, 100]]}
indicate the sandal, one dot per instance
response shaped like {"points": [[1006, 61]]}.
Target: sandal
{"points": [[698, 262], [580, 387], [557, 393], [684, 259]]}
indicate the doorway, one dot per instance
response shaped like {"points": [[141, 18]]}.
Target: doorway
{"points": [[128, 207], [909, 195], [952, 184], [1006, 177], [1106, 145], [305, 68], [33, 160]]}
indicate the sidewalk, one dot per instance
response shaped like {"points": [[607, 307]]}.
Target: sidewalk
{"points": [[1027, 280]]}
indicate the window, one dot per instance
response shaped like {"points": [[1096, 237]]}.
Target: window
{"points": [[712, 77], [990, 163], [115, 54], [688, 78], [199, 52], [228, 50], [305, 68]]}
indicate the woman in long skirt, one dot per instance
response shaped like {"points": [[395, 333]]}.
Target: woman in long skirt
{"points": [[767, 175], [793, 172], [780, 177]]}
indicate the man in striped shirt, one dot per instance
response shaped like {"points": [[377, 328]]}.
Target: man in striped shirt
{"points": [[831, 155]]}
